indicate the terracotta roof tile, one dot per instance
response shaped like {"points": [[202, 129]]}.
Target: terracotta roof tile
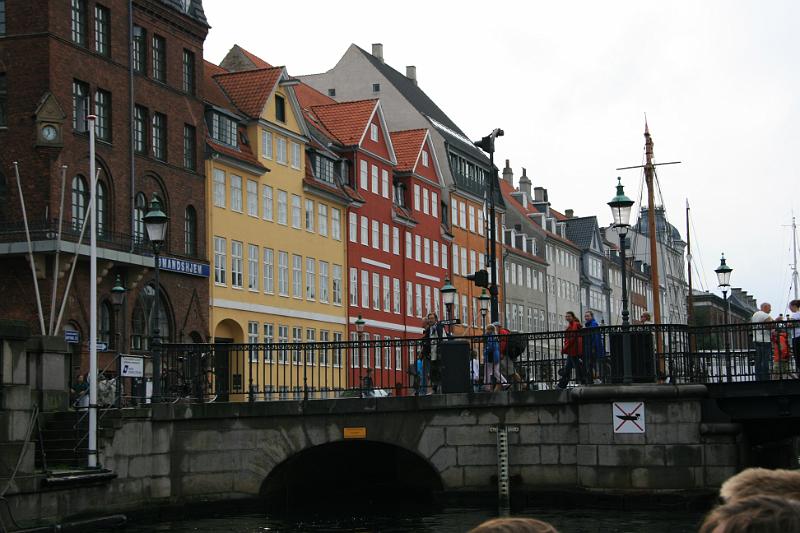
{"points": [[307, 96], [243, 154], [249, 89], [211, 91], [347, 121], [506, 189], [407, 146]]}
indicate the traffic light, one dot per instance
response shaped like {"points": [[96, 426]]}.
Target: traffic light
{"points": [[480, 278]]}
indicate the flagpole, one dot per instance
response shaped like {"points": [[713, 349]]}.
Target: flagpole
{"points": [[92, 298]]}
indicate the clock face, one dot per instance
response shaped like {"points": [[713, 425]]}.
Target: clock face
{"points": [[49, 133]]}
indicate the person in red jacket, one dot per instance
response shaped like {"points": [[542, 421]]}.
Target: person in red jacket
{"points": [[573, 349]]}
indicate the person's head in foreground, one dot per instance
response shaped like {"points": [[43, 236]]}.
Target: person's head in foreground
{"points": [[756, 514], [761, 481], [514, 525]]}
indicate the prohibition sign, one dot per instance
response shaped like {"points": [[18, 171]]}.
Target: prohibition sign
{"points": [[628, 417]]}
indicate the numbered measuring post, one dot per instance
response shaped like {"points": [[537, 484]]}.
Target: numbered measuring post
{"points": [[503, 483]]}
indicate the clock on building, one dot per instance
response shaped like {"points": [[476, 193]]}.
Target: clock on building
{"points": [[49, 133]]}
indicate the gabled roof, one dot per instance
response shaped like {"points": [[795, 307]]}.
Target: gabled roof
{"points": [[309, 96], [211, 91], [347, 121], [513, 203], [407, 146], [249, 90], [582, 230]]}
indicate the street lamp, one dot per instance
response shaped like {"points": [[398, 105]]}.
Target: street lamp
{"points": [[449, 297], [487, 145], [484, 301], [155, 221], [724, 281], [117, 298], [621, 211]]}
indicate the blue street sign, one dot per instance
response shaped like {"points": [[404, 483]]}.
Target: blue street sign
{"points": [[72, 337], [182, 266]]}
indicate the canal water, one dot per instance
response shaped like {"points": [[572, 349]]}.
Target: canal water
{"points": [[448, 520]]}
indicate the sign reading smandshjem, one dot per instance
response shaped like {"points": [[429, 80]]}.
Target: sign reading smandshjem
{"points": [[355, 433]]}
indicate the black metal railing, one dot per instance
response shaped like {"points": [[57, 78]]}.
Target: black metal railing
{"points": [[47, 230], [303, 371]]}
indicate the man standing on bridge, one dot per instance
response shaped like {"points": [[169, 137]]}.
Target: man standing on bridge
{"points": [[762, 342], [794, 307]]}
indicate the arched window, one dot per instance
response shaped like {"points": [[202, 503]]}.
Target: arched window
{"points": [[140, 208], [104, 333], [102, 213], [79, 202], [143, 323], [190, 232]]}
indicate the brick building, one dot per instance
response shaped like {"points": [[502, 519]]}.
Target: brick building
{"points": [[59, 62]]}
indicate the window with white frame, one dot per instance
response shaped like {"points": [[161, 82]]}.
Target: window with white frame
{"points": [[364, 230], [435, 253], [353, 227], [444, 256], [282, 207], [385, 237], [364, 174], [297, 276], [480, 221], [283, 273], [409, 298], [375, 184], [427, 251], [237, 261], [376, 238], [426, 201], [323, 281], [280, 157], [387, 294], [376, 291], [252, 338], [472, 261], [353, 286], [266, 144], [309, 215], [296, 211], [428, 308], [455, 259], [436, 300], [418, 299], [336, 224], [462, 215], [322, 219], [336, 285], [252, 267], [384, 183], [268, 267], [236, 193], [417, 248], [266, 202], [373, 132], [434, 204], [269, 338], [252, 198], [416, 197], [220, 260], [453, 212], [464, 262], [472, 219], [408, 245], [424, 158], [365, 289], [295, 155], [219, 188], [464, 310], [396, 295], [395, 241], [311, 279]]}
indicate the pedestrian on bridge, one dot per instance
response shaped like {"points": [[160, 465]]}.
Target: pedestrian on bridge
{"points": [[573, 349], [761, 340], [491, 361], [794, 307]]}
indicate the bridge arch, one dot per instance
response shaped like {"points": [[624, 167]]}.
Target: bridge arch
{"points": [[366, 472]]}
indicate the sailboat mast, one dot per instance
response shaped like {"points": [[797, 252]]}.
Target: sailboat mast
{"points": [[794, 263], [649, 174], [690, 296]]}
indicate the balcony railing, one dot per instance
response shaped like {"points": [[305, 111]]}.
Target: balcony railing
{"points": [[48, 231]]}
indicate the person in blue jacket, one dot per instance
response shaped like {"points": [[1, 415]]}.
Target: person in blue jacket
{"points": [[593, 347], [491, 360]]}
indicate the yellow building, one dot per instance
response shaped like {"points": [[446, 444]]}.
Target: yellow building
{"points": [[275, 226]]}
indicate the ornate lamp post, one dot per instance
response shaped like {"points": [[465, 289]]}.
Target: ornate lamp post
{"points": [[483, 301], [487, 145], [621, 211], [117, 298], [449, 297], [155, 222], [724, 281], [359, 331]]}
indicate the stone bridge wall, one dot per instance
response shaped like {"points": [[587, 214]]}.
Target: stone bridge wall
{"points": [[180, 453]]}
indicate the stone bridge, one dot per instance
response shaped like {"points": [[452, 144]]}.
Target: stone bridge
{"points": [[286, 451]]}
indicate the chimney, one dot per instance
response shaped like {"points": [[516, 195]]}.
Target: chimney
{"points": [[411, 73], [377, 51], [540, 195], [525, 183], [508, 174], [569, 213]]}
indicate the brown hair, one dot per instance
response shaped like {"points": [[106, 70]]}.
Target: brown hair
{"points": [[757, 514], [514, 525], [760, 481]]}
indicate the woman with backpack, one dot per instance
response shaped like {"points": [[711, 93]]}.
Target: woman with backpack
{"points": [[573, 349]]}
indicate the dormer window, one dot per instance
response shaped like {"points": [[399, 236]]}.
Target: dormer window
{"points": [[280, 108], [324, 169], [399, 194], [223, 130]]}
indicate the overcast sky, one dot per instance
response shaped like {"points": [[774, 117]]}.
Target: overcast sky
{"points": [[570, 82]]}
